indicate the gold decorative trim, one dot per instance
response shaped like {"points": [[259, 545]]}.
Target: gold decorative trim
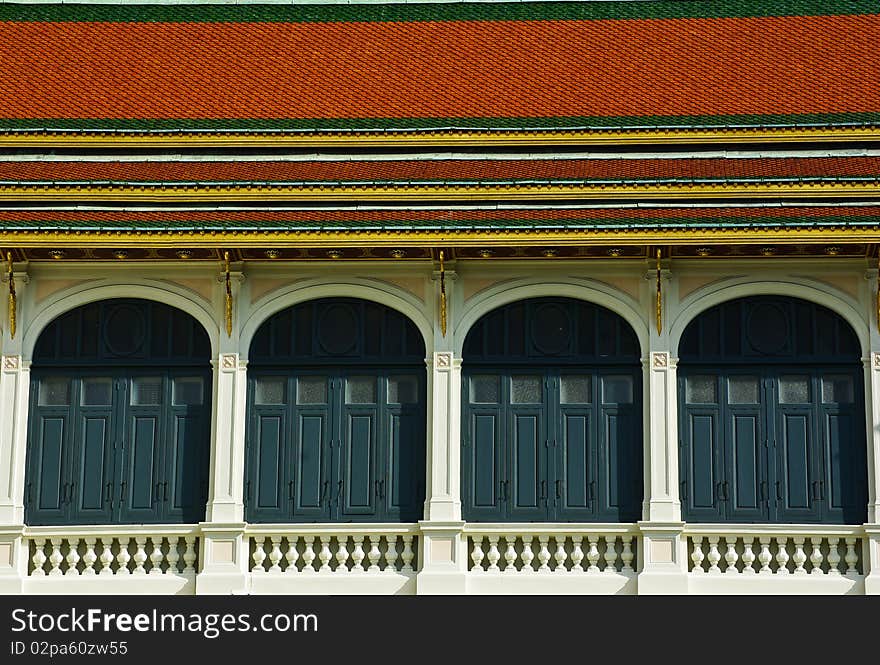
{"points": [[12, 299], [442, 296], [228, 294], [367, 139], [659, 304], [171, 193], [878, 293], [450, 238]]}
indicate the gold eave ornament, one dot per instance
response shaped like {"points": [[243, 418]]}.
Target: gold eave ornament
{"points": [[659, 305], [228, 299], [12, 299], [442, 296], [427, 137]]}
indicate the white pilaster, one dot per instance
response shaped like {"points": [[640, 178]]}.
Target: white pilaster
{"points": [[443, 497], [226, 500], [661, 446], [14, 384], [872, 408]]}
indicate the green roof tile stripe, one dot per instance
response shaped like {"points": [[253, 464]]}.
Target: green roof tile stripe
{"points": [[382, 125], [518, 11]]}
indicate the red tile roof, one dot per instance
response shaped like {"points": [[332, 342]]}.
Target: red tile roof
{"points": [[441, 170], [644, 71]]}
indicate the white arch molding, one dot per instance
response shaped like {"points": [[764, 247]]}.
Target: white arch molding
{"points": [[301, 292], [716, 293], [69, 299], [590, 291]]}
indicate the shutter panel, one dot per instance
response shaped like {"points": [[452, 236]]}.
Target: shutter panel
{"points": [[355, 489], [700, 464], [92, 490], [47, 505], [402, 494], [265, 501], [527, 490], [795, 470], [310, 467], [746, 488], [575, 466]]}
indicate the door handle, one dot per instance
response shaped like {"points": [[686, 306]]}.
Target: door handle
{"points": [[683, 485], [108, 496], [501, 490], [64, 493], [324, 488], [338, 491], [382, 489], [816, 494], [822, 489], [158, 496], [726, 493], [71, 492], [544, 490], [558, 489], [778, 492], [290, 490], [165, 491], [592, 490], [765, 491], [122, 491]]}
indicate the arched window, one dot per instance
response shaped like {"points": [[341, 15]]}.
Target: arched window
{"points": [[552, 426], [772, 415], [336, 428], [120, 417]]}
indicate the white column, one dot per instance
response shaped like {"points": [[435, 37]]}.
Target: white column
{"points": [[443, 497], [226, 500], [14, 385], [872, 408], [661, 447]]}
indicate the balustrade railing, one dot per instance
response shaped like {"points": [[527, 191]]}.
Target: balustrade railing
{"points": [[559, 548], [119, 551], [304, 550], [774, 550]]}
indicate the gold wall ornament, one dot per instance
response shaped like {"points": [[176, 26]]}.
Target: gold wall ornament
{"points": [[659, 297], [228, 294], [12, 302], [442, 296]]}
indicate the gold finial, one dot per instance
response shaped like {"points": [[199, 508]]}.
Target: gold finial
{"points": [[228, 294], [659, 296], [442, 296], [12, 302]]}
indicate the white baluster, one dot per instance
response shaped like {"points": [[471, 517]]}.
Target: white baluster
{"points": [[799, 557], [477, 554], [833, 556], [816, 557], [291, 556], [89, 557], [72, 557], [342, 554], [189, 555], [593, 555], [259, 555], [577, 554], [55, 559], [851, 557], [39, 559], [140, 556], [374, 555], [527, 555], [543, 555], [510, 554], [782, 556], [748, 556], [697, 555], [610, 554], [731, 557], [309, 554], [407, 555], [173, 555], [493, 555], [357, 554], [122, 556], [561, 555], [275, 555], [324, 555], [106, 556], [156, 556], [765, 557], [714, 555], [627, 555], [391, 554]]}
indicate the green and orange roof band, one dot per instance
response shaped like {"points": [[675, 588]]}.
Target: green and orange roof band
{"points": [[439, 73]]}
